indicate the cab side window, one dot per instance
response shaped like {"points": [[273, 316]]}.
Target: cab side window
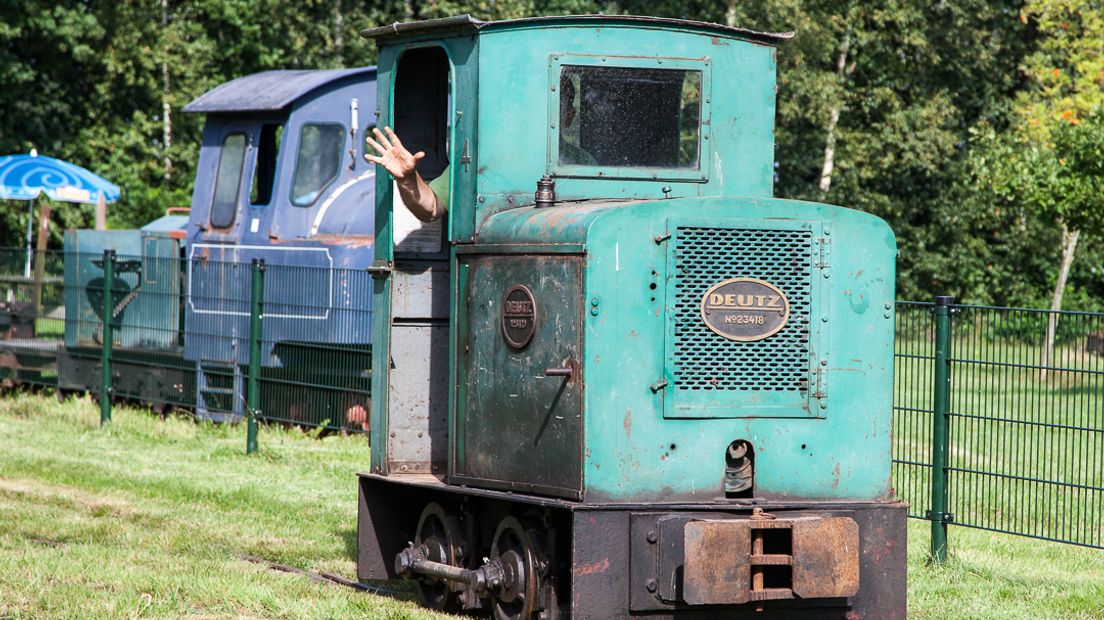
{"points": [[264, 174], [421, 107], [224, 209], [317, 161]]}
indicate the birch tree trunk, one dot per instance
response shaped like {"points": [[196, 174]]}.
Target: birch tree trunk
{"points": [[338, 31], [1069, 246], [842, 71], [166, 107]]}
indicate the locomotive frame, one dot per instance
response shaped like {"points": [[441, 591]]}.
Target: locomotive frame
{"points": [[606, 443]]}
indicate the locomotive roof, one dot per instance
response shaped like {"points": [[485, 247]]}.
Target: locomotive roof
{"points": [[467, 22], [269, 90]]}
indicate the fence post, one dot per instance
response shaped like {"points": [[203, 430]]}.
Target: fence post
{"points": [[108, 336], [938, 514], [256, 320]]}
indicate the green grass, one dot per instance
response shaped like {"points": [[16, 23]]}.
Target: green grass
{"points": [[149, 517]]}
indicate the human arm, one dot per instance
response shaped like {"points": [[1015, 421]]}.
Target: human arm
{"points": [[414, 191]]}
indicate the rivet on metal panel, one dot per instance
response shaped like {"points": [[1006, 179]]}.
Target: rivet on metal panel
{"points": [[594, 312], [594, 301], [651, 585], [827, 274], [824, 318], [652, 536], [827, 231]]}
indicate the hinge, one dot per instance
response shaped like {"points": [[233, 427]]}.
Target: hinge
{"points": [[825, 250], [380, 268], [465, 156], [821, 393]]}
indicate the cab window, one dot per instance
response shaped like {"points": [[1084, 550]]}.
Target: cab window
{"points": [[421, 107], [264, 173], [316, 162], [639, 117], [228, 181]]}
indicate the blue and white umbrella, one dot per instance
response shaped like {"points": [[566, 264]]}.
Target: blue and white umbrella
{"points": [[26, 177]]}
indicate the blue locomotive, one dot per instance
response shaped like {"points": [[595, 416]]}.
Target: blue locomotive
{"points": [[280, 178]]}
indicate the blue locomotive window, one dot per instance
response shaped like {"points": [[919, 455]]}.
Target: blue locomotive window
{"points": [[317, 162], [639, 117], [228, 181], [264, 173]]}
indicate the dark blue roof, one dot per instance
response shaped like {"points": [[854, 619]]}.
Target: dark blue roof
{"points": [[268, 90]]}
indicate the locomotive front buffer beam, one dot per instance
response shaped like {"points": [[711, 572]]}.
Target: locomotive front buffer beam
{"points": [[698, 561], [530, 558]]}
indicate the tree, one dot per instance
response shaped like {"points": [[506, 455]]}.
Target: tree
{"points": [[1067, 74]]}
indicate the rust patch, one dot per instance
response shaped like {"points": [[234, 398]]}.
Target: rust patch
{"points": [[826, 557], [592, 568], [836, 476], [628, 422], [350, 241]]}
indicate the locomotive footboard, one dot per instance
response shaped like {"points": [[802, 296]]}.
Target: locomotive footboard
{"points": [[524, 556]]}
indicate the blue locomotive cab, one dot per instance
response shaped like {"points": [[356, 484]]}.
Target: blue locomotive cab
{"points": [[280, 160], [281, 178]]}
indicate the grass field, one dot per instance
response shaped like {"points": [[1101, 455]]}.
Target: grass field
{"points": [[150, 518]]}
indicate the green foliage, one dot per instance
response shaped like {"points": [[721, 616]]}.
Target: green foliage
{"points": [[924, 93]]}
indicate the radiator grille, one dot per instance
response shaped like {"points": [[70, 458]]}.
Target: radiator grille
{"points": [[704, 360]]}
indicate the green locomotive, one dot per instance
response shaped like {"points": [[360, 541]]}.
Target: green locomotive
{"points": [[620, 379]]}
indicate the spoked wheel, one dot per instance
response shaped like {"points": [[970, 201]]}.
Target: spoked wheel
{"points": [[515, 547], [439, 536]]}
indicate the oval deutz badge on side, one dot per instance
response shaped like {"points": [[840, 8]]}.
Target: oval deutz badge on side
{"points": [[519, 316], [745, 309]]}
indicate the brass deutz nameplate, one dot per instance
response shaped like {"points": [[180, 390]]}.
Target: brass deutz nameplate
{"points": [[745, 309], [519, 316]]}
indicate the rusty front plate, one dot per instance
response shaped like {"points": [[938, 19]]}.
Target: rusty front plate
{"points": [[826, 557], [716, 568]]}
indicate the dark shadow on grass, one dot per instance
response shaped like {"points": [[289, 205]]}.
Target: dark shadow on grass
{"points": [[402, 590], [349, 537]]}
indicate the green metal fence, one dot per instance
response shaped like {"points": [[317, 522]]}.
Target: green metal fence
{"points": [[305, 372], [1021, 427], [991, 431]]}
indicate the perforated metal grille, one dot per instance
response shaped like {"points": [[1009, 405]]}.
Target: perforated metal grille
{"points": [[704, 360]]}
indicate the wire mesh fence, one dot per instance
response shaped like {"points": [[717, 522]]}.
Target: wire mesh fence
{"points": [[32, 316], [1024, 420], [181, 331]]}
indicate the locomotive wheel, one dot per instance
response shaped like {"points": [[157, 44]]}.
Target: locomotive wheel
{"points": [[515, 548], [439, 536]]}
